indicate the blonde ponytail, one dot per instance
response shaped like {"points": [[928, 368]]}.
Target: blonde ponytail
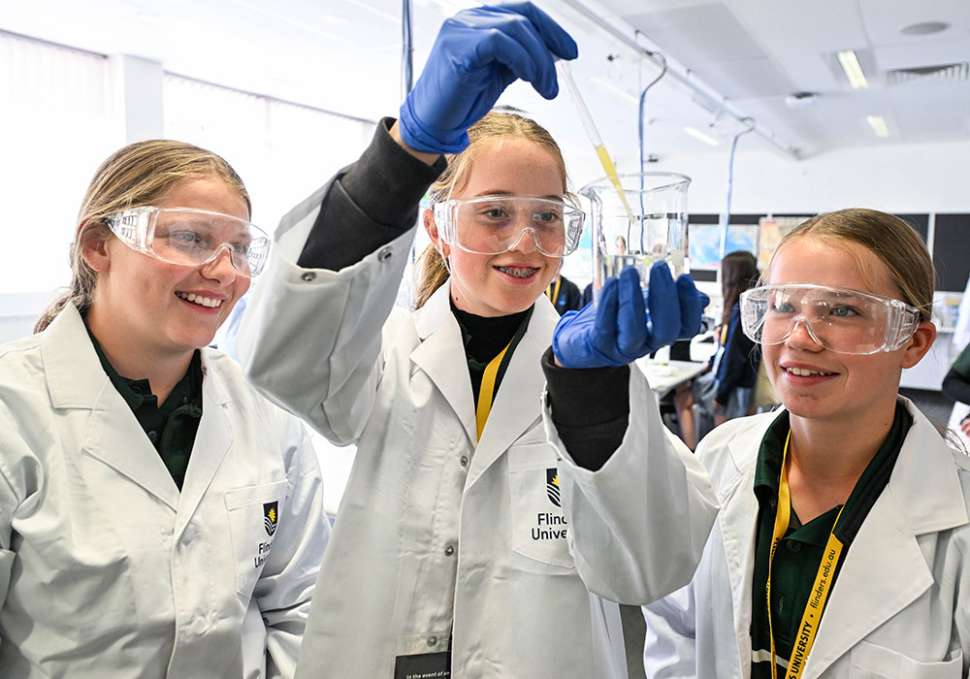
{"points": [[433, 273], [81, 291]]}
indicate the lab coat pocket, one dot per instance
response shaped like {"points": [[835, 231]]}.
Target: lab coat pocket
{"points": [[870, 661], [254, 517], [537, 520]]}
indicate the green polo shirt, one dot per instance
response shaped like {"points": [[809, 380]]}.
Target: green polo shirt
{"points": [[800, 551], [171, 426]]}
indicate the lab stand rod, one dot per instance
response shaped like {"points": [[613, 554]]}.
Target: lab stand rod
{"points": [[716, 101]]}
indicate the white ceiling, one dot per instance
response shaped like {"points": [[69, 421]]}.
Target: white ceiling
{"points": [[344, 55], [756, 52]]}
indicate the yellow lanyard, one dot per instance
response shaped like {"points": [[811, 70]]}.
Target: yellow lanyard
{"points": [[486, 392], [553, 295], [812, 616]]}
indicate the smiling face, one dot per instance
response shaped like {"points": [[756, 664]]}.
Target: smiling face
{"points": [[814, 382], [498, 285], [161, 308]]}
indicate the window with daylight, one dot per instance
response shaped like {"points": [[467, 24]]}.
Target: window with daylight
{"points": [[282, 151], [56, 127]]}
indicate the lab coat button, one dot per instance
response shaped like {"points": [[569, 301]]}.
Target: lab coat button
{"points": [[432, 641], [153, 436], [449, 550], [384, 254], [308, 276], [463, 460]]}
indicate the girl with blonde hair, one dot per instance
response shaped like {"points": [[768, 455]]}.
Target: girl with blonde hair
{"points": [[841, 543], [450, 554], [158, 518]]}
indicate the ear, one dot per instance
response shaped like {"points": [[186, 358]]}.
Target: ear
{"points": [[94, 248], [919, 344], [431, 228]]}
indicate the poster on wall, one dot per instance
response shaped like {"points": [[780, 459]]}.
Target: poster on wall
{"points": [[772, 230], [705, 243]]}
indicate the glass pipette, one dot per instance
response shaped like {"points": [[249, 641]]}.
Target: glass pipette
{"points": [[566, 76]]}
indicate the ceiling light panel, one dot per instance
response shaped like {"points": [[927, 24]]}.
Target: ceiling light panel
{"points": [[878, 125], [700, 136], [852, 69], [614, 89]]}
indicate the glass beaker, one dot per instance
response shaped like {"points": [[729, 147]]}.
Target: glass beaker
{"points": [[641, 221]]}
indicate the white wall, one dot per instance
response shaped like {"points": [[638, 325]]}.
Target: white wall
{"points": [[899, 178]]}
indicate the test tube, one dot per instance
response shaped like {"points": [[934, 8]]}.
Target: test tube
{"points": [[566, 76]]}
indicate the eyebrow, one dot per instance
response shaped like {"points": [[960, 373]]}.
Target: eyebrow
{"points": [[509, 193]]}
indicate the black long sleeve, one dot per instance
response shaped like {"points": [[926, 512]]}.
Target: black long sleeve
{"points": [[956, 387], [369, 204], [739, 365], [590, 408], [956, 384]]}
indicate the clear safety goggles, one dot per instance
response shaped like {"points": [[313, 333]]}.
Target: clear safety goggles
{"points": [[491, 225], [841, 320], [192, 237]]}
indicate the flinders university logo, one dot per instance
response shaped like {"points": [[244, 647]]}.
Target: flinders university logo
{"points": [[270, 517], [552, 486]]}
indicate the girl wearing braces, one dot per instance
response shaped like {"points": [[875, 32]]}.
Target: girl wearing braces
{"points": [[450, 551]]}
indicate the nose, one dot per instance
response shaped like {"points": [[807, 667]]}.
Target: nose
{"points": [[527, 241], [220, 267], [802, 336]]}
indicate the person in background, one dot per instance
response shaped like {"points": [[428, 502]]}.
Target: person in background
{"points": [[158, 518], [956, 386], [564, 295], [450, 554], [724, 391], [736, 365], [841, 547]]}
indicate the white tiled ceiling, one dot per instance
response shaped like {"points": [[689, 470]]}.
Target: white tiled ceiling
{"points": [[757, 51], [344, 55]]}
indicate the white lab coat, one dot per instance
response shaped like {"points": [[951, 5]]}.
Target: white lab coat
{"points": [[106, 569], [640, 522], [436, 537], [899, 608]]}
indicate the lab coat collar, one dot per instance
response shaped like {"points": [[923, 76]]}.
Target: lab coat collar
{"points": [[887, 567], [441, 356], [75, 379], [515, 410], [75, 376], [212, 441], [74, 373]]}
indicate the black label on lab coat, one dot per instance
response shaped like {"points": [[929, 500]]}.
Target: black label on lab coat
{"points": [[423, 666]]}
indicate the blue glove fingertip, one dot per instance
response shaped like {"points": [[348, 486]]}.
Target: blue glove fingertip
{"points": [[631, 318], [556, 39], [663, 306], [692, 305]]}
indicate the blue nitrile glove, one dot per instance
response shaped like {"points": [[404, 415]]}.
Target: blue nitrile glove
{"points": [[622, 328], [477, 54]]}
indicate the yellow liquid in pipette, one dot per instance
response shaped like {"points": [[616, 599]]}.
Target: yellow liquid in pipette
{"points": [[614, 178]]}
